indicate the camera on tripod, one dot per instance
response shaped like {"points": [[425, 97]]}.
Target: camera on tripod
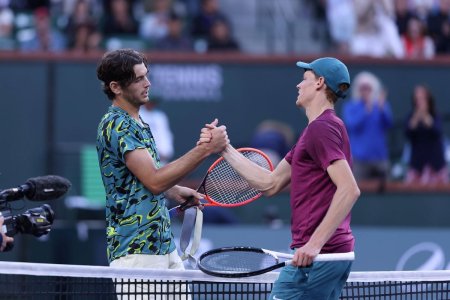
{"points": [[35, 221]]}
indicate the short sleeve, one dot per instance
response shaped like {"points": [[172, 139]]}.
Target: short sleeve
{"points": [[125, 137], [324, 143]]}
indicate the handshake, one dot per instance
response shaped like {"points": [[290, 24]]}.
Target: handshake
{"points": [[212, 138]]}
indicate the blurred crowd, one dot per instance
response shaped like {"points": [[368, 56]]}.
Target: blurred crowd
{"points": [[87, 25], [385, 28]]}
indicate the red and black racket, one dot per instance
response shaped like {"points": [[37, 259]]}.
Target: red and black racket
{"points": [[223, 186]]}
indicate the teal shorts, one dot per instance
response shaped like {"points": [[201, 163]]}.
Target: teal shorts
{"points": [[320, 281]]}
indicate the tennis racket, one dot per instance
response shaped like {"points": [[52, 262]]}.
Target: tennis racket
{"points": [[233, 262], [223, 186]]}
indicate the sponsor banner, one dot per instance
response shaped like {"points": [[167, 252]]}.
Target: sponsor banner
{"points": [[186, 82]]}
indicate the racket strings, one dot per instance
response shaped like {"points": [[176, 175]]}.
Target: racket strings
{"points": [[237, 262], [226, 186]]}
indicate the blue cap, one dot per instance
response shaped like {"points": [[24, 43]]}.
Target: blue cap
{"points": [[332, 69]]}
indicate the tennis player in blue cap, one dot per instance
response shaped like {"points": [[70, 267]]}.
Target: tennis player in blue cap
{"points": [[323, 188]]}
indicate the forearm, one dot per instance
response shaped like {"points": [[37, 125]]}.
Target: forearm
{"points": [[169, 175], [257, 176]]}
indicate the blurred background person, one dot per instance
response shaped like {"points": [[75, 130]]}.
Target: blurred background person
{"points": [[424, 133], [154, 24], [176, 40], [438, 24], [119, 19], [82, 29], [403, 12], [274, 138], [203, 21], [368, 117], [160, 127], [220, 38], [376, 34], [44, 37], [341, 23], [6, 26], [416, 42]]}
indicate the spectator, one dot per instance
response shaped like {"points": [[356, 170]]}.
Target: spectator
{"points": [[45, 37], [376, 34], [81, 29], [209, 13], [403, 13], [367, 117], [119, 19], [341, 23], [159, 125], [273, 138], [416, 43], [155, 24], [220, 38], [6, 20], [427, 163], [439, 27], [175, 40]]}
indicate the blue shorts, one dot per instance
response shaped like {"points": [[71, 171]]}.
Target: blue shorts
{"points": [[320, 281]]}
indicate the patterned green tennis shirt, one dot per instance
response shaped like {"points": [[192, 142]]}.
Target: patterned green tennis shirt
{"points": [[137, 221]]}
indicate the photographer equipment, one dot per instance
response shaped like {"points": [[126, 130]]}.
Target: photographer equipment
{"points": [[36, 221], [47, 187]]}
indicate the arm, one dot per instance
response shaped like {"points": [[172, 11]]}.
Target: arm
{"points": [[347, 193], [269, 183], [141, 164]]}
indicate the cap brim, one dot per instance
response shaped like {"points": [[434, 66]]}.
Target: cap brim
{"points": [[303, 65]]}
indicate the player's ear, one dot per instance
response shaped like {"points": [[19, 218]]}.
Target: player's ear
{"points": [[115, 87], [320, 82]]}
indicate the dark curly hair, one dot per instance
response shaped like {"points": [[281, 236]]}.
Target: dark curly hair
{"points": [[118, 66]]}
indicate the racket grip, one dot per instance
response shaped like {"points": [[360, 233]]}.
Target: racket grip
{"points": [[186, 204]]}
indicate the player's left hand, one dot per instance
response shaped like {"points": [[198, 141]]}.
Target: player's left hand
{"points": [[183, 194], [305, 255]]}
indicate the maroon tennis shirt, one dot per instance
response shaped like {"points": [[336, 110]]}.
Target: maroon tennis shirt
{"points": [[323, 141]]}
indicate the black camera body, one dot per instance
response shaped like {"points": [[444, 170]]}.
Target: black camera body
{"points": [[36, 221]]}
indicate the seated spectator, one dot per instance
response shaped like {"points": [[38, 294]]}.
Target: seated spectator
{"points": [[341, 22], [403, 13], [175, 40], [368, 117], [220, 38], [6, 21], [119, 19], [438, 24], [154, 25], [376, 34], [273, 138], [209, 13], [424, 132], [45, 37], [416, 43], [81, 29]]}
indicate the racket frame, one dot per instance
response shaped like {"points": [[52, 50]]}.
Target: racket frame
{"points": [[274, 254], [211, 201]]}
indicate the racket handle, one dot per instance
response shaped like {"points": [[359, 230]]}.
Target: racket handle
{"points": [[329, 257], [186, 204]]}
